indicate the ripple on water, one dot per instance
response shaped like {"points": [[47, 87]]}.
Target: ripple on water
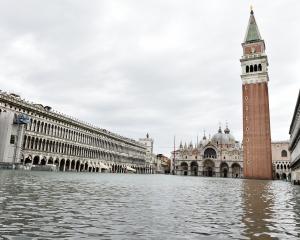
{"points": [[37, 205]]}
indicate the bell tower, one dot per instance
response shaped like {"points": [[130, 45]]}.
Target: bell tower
{"points": [[256, 116]]}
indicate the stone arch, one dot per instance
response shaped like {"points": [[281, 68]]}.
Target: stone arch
{"points": [[224, 170], [251, 68], [28, 160], [184, 168], [194, 168], [38, 126], [36, 160], [73, 164], [208, 168], [77, 166], [277, 176], [68, 164], [236, 170], [56, 162], [43, 161], [36, 142], [259, 67], [247, 69], [28, 142], [283, 153], [255, 68], [210, 153], [62, 164], [81, 167], [34, 125], [50, 160], [283, 176]]}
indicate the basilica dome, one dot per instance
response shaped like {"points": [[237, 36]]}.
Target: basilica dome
{"points": [[223, 138]]}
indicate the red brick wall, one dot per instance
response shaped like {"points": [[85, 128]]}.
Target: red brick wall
{"points": [[256, 135], [258, 48]]}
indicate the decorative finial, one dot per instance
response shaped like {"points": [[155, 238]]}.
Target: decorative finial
{"points": [[251, 9], [226, 129], [147, 135], [220, 130]]}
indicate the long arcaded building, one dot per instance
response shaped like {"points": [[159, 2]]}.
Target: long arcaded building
{"points": [[35, 135]]}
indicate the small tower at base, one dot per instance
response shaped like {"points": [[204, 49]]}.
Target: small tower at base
{"points": [[256, 116]]}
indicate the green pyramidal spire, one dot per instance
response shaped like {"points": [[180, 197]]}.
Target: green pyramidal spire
{"points": [[252, 33]]}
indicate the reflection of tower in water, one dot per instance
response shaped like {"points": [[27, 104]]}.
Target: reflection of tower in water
{"points": [[258, 209]]}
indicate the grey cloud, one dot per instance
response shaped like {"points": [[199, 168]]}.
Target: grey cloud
{"points": [[163, 67]]}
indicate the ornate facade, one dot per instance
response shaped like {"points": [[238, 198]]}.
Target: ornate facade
{"points": [[49, 137], [281, 160], [220, 156]]}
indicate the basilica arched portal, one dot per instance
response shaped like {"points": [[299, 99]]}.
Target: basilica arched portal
{"points": [[224, 169], [236, 170], [184, 168], [208, 168], [194, 168]]}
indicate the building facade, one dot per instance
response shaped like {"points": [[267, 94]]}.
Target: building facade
{"points": [[281, 160], [150, 156], [163, 164], [256, 116], [47, 137], [294, 146], [220, 156]]}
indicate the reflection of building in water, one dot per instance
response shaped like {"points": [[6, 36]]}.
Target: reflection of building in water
{"points": [[220, 156], [281, 160], [295, 143], [51, 138], [257, 208]]}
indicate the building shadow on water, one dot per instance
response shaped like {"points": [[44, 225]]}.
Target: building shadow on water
{"points": [[258, 219]]}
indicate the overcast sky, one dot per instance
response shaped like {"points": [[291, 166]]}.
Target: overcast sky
{"points": [[163, 67]]}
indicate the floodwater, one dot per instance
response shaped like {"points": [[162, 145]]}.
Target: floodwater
{"points": [[45, 205]]}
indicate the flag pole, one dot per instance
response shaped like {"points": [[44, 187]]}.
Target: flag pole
{"points": [[174, 157]]}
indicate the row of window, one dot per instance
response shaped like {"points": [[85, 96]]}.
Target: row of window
{"points": [[253, 68], [282, 166], [73, 135], [39, 144], [76, 136]]}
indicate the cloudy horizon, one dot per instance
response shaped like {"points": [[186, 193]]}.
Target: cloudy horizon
{"points": [[160, 67]]}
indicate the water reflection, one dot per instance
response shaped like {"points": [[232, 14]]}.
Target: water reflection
{"points": [[258, 205], [40, 205], [267, 210]]}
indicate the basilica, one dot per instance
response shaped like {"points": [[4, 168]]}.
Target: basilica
{"points": [[217, 156]]}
